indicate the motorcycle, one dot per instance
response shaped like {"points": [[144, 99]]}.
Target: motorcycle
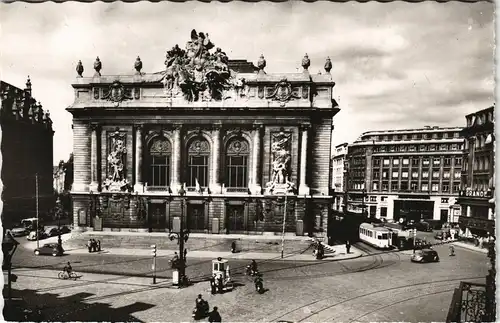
{"points": [[201, 310], [250, 272], [259, 285]]}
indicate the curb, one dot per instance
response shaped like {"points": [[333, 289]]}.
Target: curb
{"points": [[471, 248]]}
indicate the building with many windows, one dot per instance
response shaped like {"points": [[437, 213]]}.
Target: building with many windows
{"points": [[27, 148], [338, 178], [236, 139], [409, 174], [478, 185]]}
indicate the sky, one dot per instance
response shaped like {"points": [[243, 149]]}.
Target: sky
{"points": [[396, 65]]}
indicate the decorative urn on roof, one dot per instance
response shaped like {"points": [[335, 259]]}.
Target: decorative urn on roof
{"points": [[97, 66], [306, 62], [79, 69]]}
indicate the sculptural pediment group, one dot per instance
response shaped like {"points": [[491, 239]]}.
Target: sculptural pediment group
{"points": [[197, 73]]}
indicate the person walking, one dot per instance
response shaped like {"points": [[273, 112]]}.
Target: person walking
{"points": [[98, 245], [348, 247], [214, 316]]}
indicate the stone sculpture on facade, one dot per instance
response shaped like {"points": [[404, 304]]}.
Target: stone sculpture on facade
{"points": [[116, 160], [197, 73], [280, 178]]}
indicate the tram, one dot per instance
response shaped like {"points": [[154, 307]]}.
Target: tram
{"points": [[375, 235]]}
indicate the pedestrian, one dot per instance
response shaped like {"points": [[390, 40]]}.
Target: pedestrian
{"points": [[89, 245], [452, 251], [185, 253], [98, 245], [214, 316], [213, 288], [94, 245], [348, 247]]}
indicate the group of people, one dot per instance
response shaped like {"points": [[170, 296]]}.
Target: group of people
{"points": [[94, 245], [202, 309]]}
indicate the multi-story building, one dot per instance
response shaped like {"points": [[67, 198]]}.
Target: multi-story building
{"points": [[338, 178], [478, 185], [234, 137], [26, 152], [409, 174]]}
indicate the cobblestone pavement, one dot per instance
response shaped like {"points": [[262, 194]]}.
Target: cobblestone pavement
{"points": [[384, 286]]}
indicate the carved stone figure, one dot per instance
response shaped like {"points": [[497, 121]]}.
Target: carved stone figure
{"points": [[280, 181], [116, 160], [199, 74]]}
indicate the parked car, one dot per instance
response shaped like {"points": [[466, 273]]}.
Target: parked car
{"points": [[50, 249], [425, 255], [423, 226], [439, 236], [32, 235], [51, 231], [19, 231], [65, 229]]}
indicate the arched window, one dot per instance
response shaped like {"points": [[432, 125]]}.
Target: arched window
{"points": [[237, 152], [198, 158], [160, 153]]}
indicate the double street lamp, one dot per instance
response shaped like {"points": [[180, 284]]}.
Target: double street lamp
{"points": [[182, 236]]}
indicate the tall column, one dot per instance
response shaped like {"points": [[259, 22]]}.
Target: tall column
{"points": [[139, 185], [176, 171], [94, 182], [303, 188], [215, 185], [255, 178]]}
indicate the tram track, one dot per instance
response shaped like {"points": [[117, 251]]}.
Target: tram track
{"points": [[283, 317]]}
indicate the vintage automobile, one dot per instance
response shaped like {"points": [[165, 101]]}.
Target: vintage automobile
{"points": [[32, 235], [439, 236], [51, 231], [50, 249], [425, 255], [19, 231]]}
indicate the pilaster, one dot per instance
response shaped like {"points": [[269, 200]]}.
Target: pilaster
{"points": [[139, 185], [94, 181], [176, 169], [303, 188], [255, 177], [215, 185]]}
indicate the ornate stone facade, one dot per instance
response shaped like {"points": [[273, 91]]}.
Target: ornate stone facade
{"points": [[237, 142]]}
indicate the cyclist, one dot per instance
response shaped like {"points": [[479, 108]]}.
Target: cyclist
{"points": [[68, 269]]}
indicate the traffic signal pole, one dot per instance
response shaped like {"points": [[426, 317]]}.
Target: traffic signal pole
{"points": [[154, 262]]}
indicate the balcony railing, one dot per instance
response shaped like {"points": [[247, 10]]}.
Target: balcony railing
{"points": [[157, 189], [468, 303]]}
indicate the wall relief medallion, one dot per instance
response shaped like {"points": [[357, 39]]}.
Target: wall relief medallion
{"points": [[283, 92], [160, 147], [117, 93], [116, 180], [281, 154], [199, 146], [237, 147]]}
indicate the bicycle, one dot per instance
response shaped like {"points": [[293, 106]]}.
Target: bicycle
{"points": [[65, 275]]}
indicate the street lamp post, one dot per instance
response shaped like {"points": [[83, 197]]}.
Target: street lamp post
{"points": [[9, 246], [59, 211], [182, 236]]}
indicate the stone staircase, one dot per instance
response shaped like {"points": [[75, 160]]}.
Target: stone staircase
{"points": [[207, 242]]}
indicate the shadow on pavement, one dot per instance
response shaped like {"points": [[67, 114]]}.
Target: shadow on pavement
{"points": [[28, 305]]}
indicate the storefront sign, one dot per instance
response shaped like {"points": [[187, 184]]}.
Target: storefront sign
{"points": [[471, 193], [477, 223]]}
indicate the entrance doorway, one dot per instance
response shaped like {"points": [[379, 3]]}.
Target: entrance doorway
{"points": [[444, 216], [196, 217], [157, 217], [235, 215]]}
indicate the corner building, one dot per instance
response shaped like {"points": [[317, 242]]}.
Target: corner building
{"points": [[236, 139], [477, 197], [27, 147], [409, 174]]}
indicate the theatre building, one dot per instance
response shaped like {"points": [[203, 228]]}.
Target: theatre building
{"points": [[411, 174], [219, 144], [477, 197]]}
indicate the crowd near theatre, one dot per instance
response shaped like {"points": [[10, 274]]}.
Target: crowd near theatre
{"points": [[26, 155], [239, 141]]}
